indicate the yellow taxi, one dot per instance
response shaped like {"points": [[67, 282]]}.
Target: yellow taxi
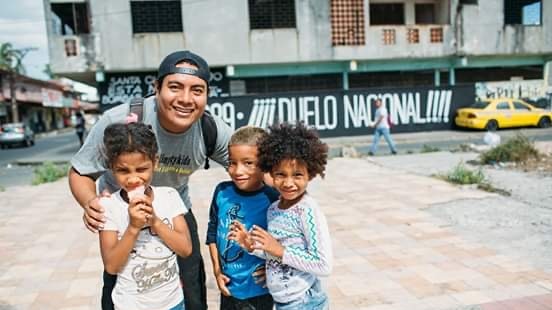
{"points": [[497, 113]]}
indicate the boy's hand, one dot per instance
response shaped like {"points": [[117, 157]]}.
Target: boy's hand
{"points": [[262, 240], [222, 280], [239, 234], [260, 275]]}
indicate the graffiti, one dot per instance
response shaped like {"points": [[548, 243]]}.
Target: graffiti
{"points": [[347, 112], [532, 89]]}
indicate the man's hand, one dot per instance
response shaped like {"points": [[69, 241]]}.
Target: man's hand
{"points": [[222, 280], [262, 240], [93, 213]]}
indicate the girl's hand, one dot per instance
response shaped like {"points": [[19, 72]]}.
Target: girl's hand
{"points": [[239, 234], [262, 240], [140, 211]]}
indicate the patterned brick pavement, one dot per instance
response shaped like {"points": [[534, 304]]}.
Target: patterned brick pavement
{"points": [[390, 253]]}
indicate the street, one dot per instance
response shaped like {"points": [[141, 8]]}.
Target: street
{"points": [[16, 163]]}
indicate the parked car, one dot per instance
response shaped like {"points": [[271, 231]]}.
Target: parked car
{"points": [[16, 133], [502, 113]]}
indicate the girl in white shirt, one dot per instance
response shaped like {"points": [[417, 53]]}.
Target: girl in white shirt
{"points": [[144, 228]]}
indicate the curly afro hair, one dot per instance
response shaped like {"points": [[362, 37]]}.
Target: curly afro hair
{"points": [[128, 138], [288, 141]]}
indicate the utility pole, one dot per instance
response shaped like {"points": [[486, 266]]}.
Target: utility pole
{"points": [[13, 99]]}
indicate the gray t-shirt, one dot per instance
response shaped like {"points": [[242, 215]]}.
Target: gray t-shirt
{"points": [[180, 154]]}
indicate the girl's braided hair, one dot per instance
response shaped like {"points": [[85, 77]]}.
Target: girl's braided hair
{"points": [[128, 138]]}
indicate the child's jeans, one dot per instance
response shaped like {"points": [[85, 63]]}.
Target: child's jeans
{"points": [[180, 306], [313, 299]]}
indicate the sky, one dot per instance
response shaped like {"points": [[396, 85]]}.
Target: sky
{"points": [[22, 24]]}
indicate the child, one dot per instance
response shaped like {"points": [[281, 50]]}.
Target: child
{"points": [[246, 199], [297, 244], [144, 225]]}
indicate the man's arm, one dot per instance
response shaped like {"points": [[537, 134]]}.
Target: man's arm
{"points": [[83, 189]]}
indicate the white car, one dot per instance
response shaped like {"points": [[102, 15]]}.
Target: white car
{"points": [[16, 133]]}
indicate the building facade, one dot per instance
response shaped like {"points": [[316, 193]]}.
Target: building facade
{"points": [[270, 46]]}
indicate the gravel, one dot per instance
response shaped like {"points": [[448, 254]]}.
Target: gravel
{"points": [[519, 226]]}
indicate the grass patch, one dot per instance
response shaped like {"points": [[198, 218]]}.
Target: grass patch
{"points": [[49, 172], [518, 149], [461, 175], [429, 149]]}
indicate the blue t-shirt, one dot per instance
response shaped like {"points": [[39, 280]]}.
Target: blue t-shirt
{"points": [[230, 203]]}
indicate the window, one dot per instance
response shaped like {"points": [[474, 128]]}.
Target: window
{"points": [[503, 106], [520, 106], [413, 35], [156, 16], [388, 36], [347, 22], [70, 18], [269, 14], [523, 12], [436, 35], [70, 47], [387, 14], [425, 13]]}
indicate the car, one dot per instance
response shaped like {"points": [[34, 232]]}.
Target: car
{"points": [[492, 114], [16, 133]]}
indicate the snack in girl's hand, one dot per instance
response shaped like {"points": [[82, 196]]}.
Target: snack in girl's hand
{"points": [[138, 191]]}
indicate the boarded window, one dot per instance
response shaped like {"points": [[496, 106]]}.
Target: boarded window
{"points": [[70, 46], [523, 12], [269, 14], [387, 14], [347, 22], [156, 16], [425, 13], [70, 18]]}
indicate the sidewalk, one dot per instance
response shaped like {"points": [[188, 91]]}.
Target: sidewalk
{"points": [[390, 252]]}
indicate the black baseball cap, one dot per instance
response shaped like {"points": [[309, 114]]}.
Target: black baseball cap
{"points": [[168, 65]]}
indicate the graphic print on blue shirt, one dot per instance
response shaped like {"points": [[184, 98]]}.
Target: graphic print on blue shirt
{"points": [[231, 251], [229, 204]]}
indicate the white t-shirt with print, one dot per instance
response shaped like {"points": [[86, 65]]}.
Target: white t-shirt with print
{"points": [[382, 112], [150, 278]]}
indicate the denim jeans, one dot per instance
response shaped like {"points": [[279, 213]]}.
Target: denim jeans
{"points": [[180, 306], [378, 132], [314, 299]]}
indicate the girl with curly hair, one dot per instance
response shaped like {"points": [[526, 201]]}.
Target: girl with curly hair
{"points": [[297, 244]]}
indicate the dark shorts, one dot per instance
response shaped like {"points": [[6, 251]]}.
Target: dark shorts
{"points": [[263, 302]]}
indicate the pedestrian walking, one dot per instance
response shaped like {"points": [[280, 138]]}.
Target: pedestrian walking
{"points": [[80, 127], [144, 228], [175, 115], [382, 128]]}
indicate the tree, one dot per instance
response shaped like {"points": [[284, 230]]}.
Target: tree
{"points": [[11, 60]]}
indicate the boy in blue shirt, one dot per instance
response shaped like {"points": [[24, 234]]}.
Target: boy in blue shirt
{"points": [[245, 199]]}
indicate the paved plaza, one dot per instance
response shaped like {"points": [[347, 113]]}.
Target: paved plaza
{"points": [[390, 251]]}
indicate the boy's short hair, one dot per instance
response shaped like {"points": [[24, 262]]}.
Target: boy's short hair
{"points": [[247, 135]]}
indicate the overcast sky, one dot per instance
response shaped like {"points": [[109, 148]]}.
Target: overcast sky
{"points": [[22, 24]]}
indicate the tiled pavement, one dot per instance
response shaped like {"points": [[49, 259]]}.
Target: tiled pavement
{"points": [[390, 253]]}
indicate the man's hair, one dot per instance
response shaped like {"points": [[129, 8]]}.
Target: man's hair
{"points": [[128, 138], [294, 142], [248, 135]]}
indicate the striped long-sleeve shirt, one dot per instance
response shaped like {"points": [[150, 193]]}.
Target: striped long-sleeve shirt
{"points": [[303, 231]]}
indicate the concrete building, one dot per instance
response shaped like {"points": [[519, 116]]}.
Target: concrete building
{"points": [[264, 46]]}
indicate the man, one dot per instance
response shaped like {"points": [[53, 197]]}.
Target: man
{"points": [[174, 114], [381, 126]]}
